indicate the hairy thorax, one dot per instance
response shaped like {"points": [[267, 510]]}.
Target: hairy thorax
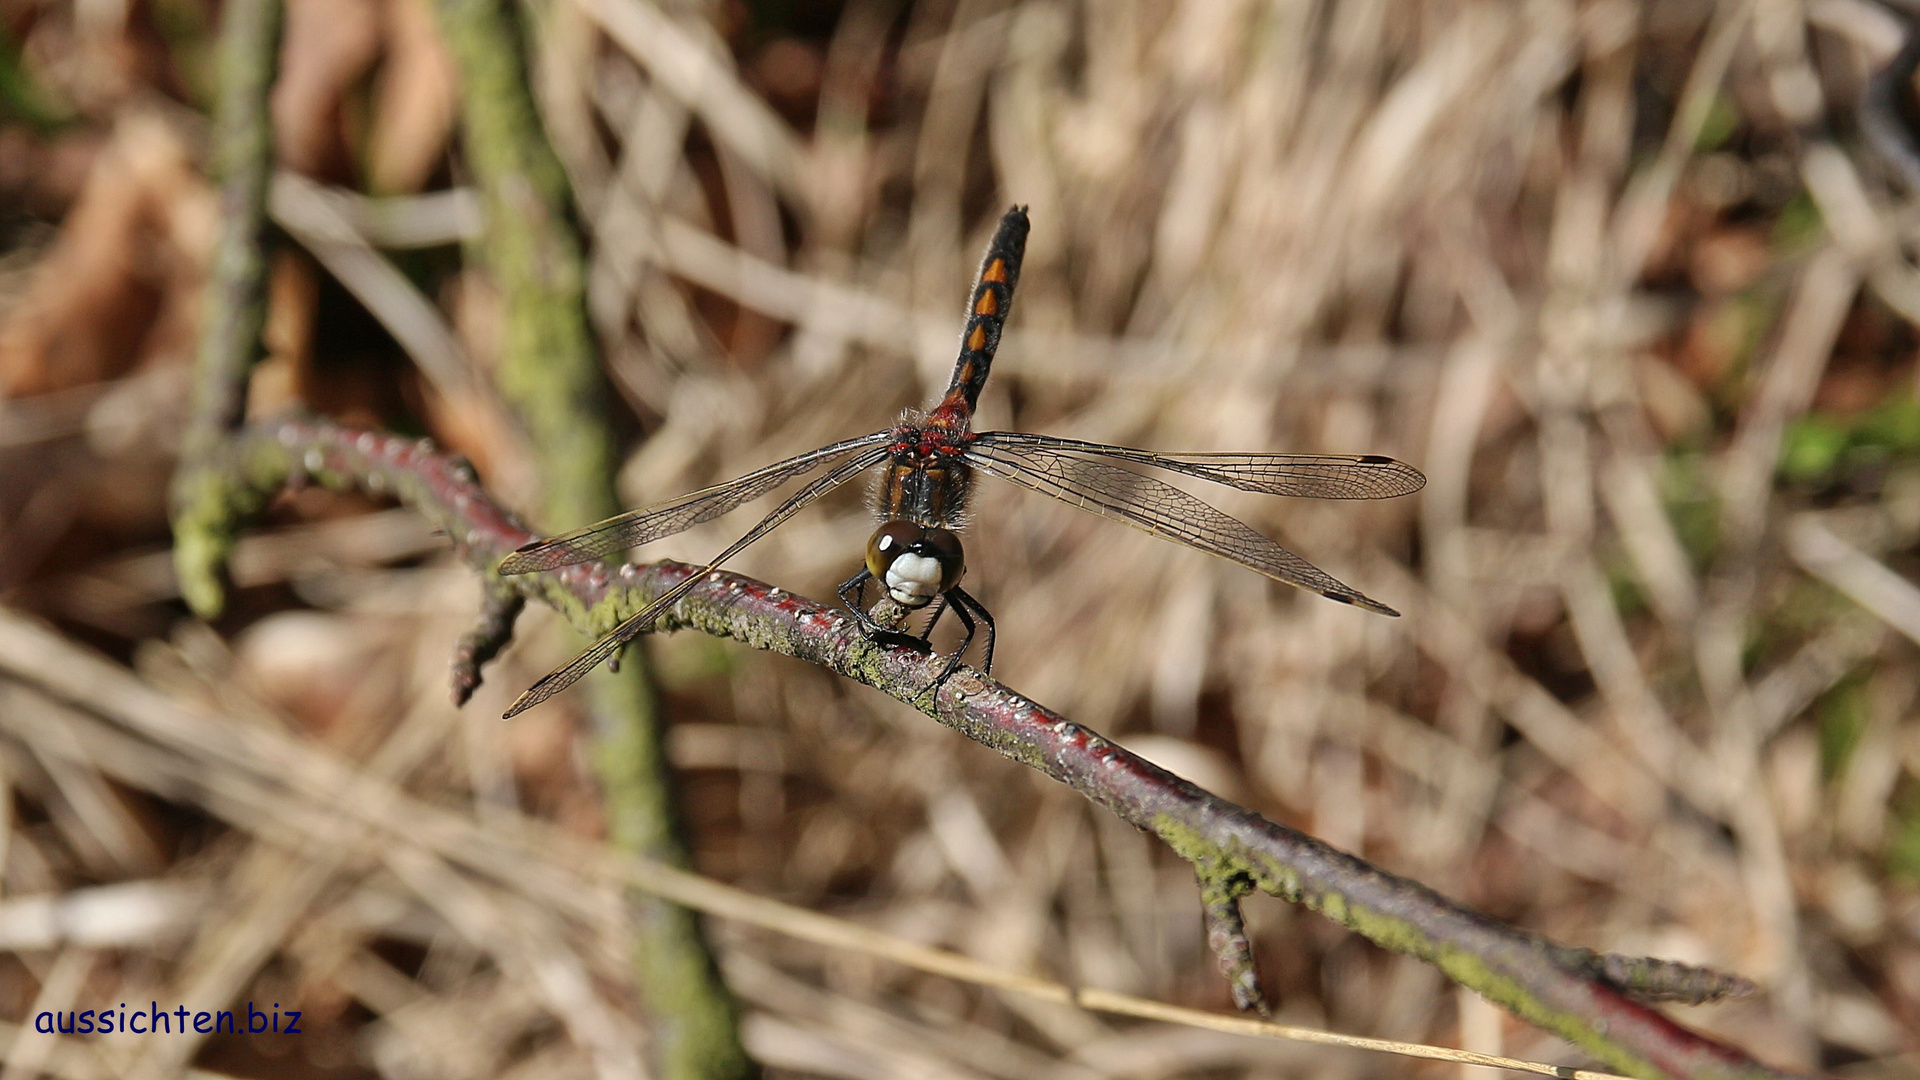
{"points": [[926, 481]]}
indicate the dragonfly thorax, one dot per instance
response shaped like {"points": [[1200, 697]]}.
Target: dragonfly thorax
{"points": [[915, 562], [927, 478]]}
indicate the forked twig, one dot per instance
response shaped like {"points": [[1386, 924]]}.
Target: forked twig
{"points": [[1595, 1001]]}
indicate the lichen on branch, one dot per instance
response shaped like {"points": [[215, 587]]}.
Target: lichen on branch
{"points": [[207, 513]]}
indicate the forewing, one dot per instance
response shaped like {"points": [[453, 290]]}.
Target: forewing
{"points": [[1163, 510], [1315, 476], [664, 519], [639, 623]]}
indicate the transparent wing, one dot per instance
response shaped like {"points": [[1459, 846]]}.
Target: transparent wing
{"points": [[1161, 509], [663, 519], [1314, 476], [638, 624]]}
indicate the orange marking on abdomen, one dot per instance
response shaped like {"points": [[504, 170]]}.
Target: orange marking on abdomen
{"points": [[996, 271], [977, 339], [989, 303]]}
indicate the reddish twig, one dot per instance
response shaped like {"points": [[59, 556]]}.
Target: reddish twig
{"points": [[1591, 999]]}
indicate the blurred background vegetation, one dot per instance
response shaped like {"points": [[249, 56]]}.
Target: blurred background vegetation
{"points": [[1623, 278]]}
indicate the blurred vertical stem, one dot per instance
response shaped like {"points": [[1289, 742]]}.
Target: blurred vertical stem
{"points": [[207, 511], [547, 372]]}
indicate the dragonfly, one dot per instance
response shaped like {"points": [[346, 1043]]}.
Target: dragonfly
{"points": [[930, 458]]}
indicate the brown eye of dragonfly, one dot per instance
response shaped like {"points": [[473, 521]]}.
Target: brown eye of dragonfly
{"points": [[945, 547], [915, 563], [888, 543]]}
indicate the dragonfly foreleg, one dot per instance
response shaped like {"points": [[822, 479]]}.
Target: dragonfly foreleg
{"points": [[935, 610], [853, 593]]}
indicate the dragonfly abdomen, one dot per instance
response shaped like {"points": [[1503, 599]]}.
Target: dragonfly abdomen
{"points": [[987, 309]]}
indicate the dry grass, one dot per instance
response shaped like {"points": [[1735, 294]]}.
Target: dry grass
{"points": [[1598, 269]]}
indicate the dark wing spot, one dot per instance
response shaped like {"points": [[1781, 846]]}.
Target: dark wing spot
{"points": [[1342, 597], [528, 547], [1376, 459]]}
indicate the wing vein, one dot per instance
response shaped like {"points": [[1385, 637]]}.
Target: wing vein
{"points": [[676, 515], [1318, 476], [639, 623], [1159, 508]]}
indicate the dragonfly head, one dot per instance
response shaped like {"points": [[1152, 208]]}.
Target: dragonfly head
{"points": [[915, 562]]}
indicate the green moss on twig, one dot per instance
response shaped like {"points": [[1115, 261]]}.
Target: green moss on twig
{"points": [[549, 375], [547, 369], [206, 511]]}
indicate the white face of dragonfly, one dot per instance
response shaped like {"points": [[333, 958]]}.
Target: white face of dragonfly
{"points": [[915, 562], [913, 580]]}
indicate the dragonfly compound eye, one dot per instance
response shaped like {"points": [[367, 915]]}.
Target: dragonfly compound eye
{"points": [[915, 563], [944, 546]]}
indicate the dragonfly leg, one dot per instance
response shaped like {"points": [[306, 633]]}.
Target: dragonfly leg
{"points": [[962, 600], [965, 607], [853, 593], [939, 607], [953, 661]]}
